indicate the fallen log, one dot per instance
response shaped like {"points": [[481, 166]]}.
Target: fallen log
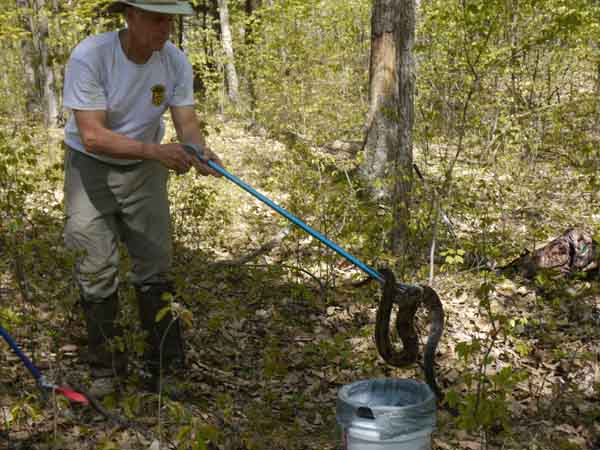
{"points": [[574, 251]]}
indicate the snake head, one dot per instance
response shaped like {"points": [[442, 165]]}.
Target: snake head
{"points": [[399, 292]]}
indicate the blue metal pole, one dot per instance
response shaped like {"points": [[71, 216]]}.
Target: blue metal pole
{"points": [[193, 149], [8, 338]]}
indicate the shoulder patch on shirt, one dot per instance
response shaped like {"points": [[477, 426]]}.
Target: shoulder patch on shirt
{"points": [[158, 94]]}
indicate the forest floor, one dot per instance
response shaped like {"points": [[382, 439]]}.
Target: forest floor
{"points": [[271, 340]]}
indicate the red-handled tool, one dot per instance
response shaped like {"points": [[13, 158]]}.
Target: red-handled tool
{"points": [[41, 380]]}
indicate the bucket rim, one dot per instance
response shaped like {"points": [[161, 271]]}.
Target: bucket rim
{"points": [[427, 402], [344, 394]]}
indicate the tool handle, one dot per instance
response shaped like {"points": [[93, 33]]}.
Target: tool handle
{"points": [[195, 150], [11, 342]]}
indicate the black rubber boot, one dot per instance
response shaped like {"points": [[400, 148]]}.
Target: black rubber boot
{"points": [[163, 337], [107, 361]]}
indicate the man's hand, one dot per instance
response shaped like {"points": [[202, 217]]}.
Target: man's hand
{"points": [[188, 130], [172, 156], [204, 169]]}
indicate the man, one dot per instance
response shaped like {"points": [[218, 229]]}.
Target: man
{"points": [[117, 86]]}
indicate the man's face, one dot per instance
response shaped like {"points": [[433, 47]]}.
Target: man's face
{"points": [[150, 29]]}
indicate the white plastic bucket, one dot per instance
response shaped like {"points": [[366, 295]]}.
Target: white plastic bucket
{"points": [[386, 414]]}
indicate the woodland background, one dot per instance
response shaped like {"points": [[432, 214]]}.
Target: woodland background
{"points": [[506, 135]]}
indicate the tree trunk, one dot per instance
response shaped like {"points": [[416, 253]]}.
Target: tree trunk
{"points": [[403, 154], [31, 98], [50, 97], [227, 41], [39, 72], [251, 7], [388, 140]]}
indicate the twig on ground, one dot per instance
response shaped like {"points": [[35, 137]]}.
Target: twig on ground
{"points": [[117, 419], [265, 248], [225, 378]]}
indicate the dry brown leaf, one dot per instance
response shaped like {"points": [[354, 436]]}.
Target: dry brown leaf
{"points": [[470, 445]]}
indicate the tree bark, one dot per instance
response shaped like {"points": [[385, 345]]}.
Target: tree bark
{"points": [[388, 129], [39, 72], [251, 7], [31, 98], [227, 42], [50, 97]]}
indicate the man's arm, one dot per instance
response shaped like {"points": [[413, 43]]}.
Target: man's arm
{"points": [[188, 131], [98, 139]]}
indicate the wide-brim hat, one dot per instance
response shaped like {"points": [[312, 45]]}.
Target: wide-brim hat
{"points": [[160, 6]]}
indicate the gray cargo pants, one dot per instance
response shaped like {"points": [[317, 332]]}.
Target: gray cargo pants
{"points": [[105, 203]]}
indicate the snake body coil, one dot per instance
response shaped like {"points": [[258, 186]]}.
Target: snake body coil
{"points": [[409, 300]]}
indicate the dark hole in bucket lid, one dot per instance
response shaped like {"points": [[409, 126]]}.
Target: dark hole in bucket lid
{"points": [[365, 413]]}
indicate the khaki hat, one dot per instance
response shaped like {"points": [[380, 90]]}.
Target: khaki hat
{"points": [[159, 6]]}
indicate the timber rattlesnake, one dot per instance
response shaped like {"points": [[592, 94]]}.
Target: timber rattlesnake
{"points": [[408, 299]]}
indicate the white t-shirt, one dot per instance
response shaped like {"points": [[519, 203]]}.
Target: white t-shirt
{"points": [[100, 77]]}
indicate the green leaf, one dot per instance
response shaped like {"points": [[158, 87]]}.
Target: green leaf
{"points": [[162, 313]]}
